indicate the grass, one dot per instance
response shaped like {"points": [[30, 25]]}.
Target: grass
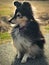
{"points": [[4, 37], [45, 29], [6, 9]]}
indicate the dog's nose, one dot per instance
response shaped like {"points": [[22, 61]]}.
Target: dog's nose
{"points": [[10, 21]]}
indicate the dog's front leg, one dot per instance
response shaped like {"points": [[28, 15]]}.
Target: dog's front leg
{"points": [[18, 55], [25, 57]]}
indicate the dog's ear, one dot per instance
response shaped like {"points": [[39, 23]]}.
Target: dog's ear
{"points": [[17, 4], [26, 4]]}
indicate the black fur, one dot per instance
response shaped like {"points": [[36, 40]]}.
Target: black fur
{"points": [[17, 4], [31, 30]]}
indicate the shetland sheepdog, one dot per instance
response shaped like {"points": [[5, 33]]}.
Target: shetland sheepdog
{"points": [[27, 37]]}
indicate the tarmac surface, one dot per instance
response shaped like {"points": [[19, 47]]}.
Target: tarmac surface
{"points": [[8, 55]]}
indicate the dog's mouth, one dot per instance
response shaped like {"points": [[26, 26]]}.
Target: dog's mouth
{"points": [[12, 23]]}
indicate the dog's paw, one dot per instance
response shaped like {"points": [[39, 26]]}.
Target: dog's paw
{"points": [[23, 60], [18, 56]]}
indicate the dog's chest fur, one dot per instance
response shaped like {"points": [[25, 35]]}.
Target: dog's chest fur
{"points": [[20, 41]]}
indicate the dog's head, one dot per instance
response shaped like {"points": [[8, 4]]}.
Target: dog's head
{"points": [[23, 13]]}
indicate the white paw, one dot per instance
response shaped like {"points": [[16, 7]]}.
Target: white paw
{"points": [[25, 57], [18, 56], [23, 60]]}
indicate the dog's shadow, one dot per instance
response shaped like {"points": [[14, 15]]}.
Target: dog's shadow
{"points": [[37, 61]]}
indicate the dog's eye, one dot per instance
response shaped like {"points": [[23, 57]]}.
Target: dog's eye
{"points": [[19, 15]]}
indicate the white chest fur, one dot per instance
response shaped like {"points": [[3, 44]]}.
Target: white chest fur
{"points": [[19, 40]]}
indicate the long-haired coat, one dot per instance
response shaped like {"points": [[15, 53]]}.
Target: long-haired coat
{"points": [[27, 37]]}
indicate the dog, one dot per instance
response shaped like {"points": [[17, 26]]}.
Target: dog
{"points": [[27, 37]]}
